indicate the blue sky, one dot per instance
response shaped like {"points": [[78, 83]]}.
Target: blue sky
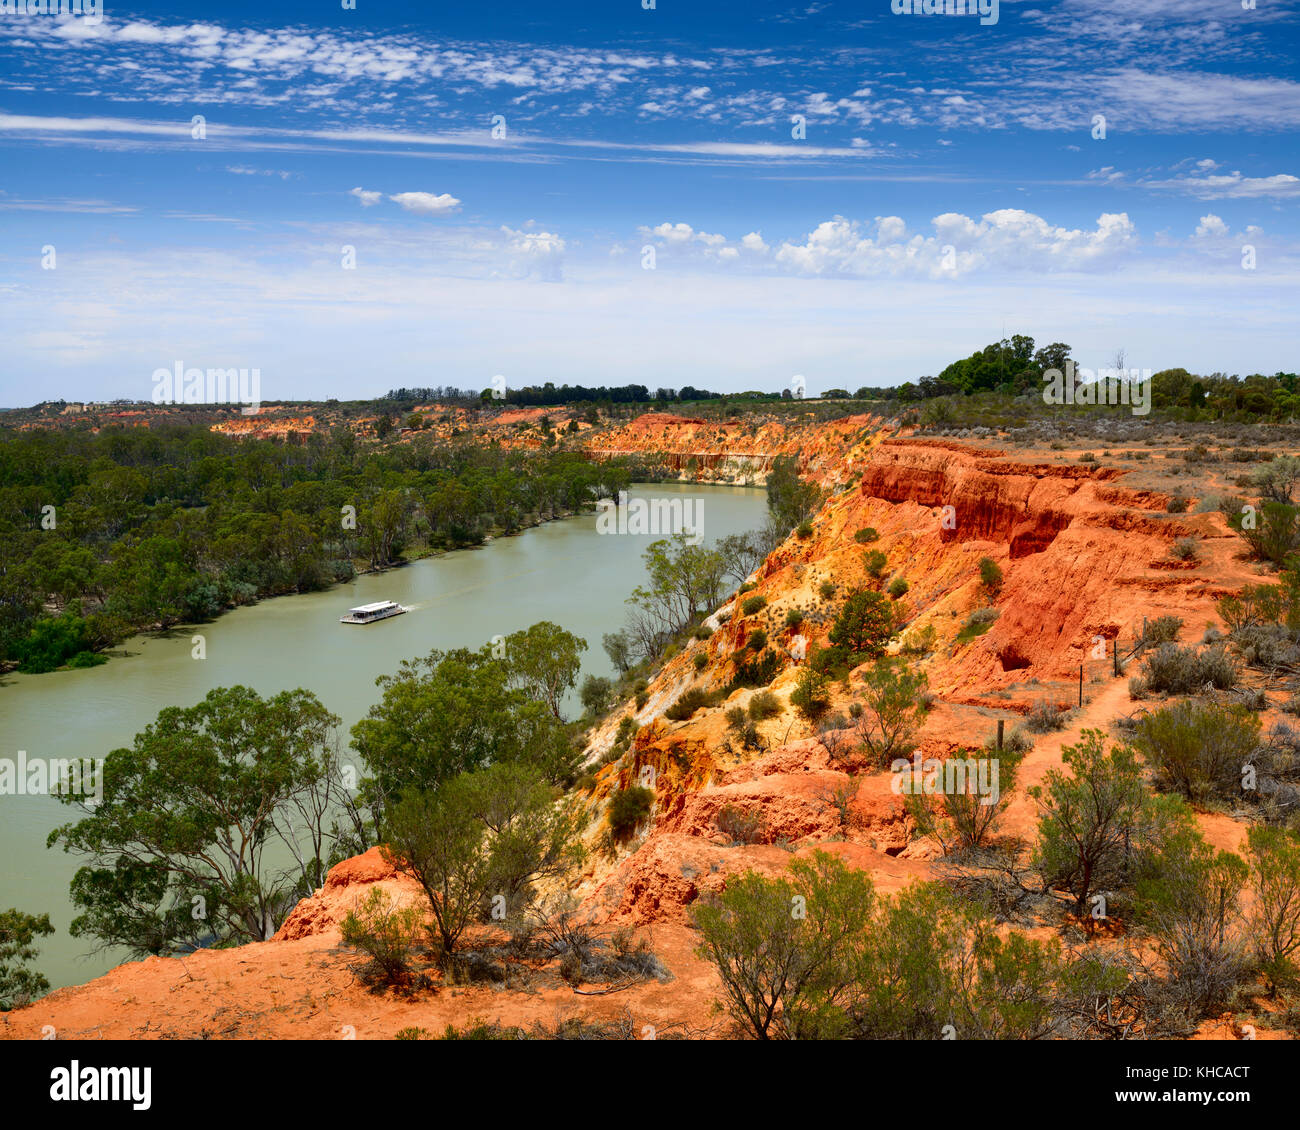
{"points": [[948, 188]]}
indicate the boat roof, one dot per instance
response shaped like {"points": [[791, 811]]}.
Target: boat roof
{"points": [[374, 607]]}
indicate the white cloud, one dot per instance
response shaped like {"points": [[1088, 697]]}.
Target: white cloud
{"points": [[366, 197], [535, 253], [1232, 185], [1211, 227], [1008, 238], [426, 203]]}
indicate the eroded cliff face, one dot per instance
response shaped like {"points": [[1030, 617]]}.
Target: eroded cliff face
{"points": [[741, 451], [1084, 560]]}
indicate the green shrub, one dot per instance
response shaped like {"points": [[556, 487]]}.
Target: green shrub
{"points": [[874, 562], [1275, 882], [979, 622], [898, 587], [811, 695], [826, 589], [1184, 549], [764, 705], [865, 625], [1184, 670], [386, 933], [701, 660], [895, 703], [804, 530], [753, 604], [757, 640], [692, 700], [1163, 629], [757, 671], [793, 619], [740, 825], [87, 659], [866, 536], [990, 575], [1045, 717], [628, 808], [1014, 740], [1198, 749], [595, 694]]}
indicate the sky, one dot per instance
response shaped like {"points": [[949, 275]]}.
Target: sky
{"points": [[718, 194]]}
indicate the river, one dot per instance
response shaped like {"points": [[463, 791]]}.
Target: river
{"points": [[564, 571]]}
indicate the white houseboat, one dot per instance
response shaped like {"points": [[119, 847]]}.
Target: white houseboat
{"points": [[369, 613]]}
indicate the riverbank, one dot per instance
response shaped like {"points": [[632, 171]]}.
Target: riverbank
{"points": [[563, 571]]}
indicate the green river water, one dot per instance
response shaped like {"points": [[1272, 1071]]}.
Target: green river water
{"points": [[563, 571]]}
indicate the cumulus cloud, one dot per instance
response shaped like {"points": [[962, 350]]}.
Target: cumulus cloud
{"points": [[536, 253], [366, 197], [426, 203], [1211, 227], [1009, 238]]}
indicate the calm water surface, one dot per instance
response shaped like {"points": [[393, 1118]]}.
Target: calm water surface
{"points": [[563, 571]]}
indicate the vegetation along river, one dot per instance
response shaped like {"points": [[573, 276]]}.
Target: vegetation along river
{"points": [[562, 571]]}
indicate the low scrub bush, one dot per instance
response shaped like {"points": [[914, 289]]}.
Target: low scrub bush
{"points": [[628, 808], [1198, 749], [1184, 670], [1045, 717], [1163, 629], [741, 825], [692, 700], [387, 934]]}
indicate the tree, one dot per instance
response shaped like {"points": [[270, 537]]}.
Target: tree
{"points": [[741, 554], [618, 646], [1190, 895], [1275, 881], [784, 948], [894, 707], [1278, 477], [544, 661], [865, 625], [18, 934], [178, 843], [811, 695], [1095, 824], [596, 692], [1052, 356], [478, 843], [790, 499], [685, 580], [450, 713]]}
